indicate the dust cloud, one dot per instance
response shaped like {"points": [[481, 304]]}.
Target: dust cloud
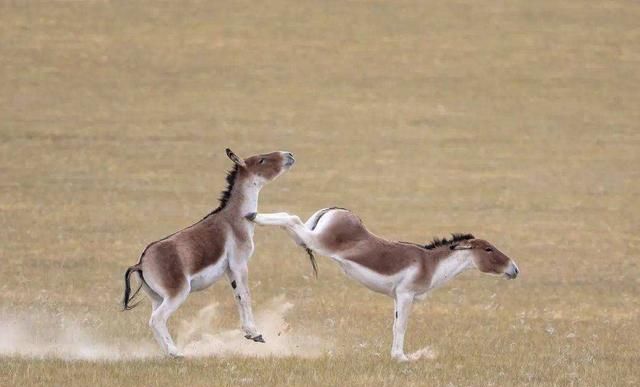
{"points": [[199, 336], [42, 335], [54, 336], [426, 353]]}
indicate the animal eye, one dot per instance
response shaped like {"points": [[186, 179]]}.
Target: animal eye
{"points": [[261, 161], [488, 249]]}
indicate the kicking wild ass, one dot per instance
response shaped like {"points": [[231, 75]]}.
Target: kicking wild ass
{"points": [[402, 270], [221, 243]]}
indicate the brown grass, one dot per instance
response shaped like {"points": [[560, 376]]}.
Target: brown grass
{"points": [[517, 121]]}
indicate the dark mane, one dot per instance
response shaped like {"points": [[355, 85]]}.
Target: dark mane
{"points": [[437, 242], [226, 194]]}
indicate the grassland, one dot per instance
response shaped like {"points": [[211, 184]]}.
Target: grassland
{"points": [[517, 121]]}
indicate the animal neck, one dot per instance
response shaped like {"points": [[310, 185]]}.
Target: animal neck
{"points": [[448, 268], [244, 195]]}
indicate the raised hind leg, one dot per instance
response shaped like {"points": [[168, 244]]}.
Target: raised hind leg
{"points": [[159, 318], [298, 231], [281, 219]]}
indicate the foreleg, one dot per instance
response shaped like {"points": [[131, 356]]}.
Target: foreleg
{"points": [[403, 304]]}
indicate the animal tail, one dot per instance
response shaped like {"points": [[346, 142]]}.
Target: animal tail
{"points": [[126, 301], [312, 258]]}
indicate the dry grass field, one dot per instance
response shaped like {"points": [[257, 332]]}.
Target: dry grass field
{"points": [[517, 121]]}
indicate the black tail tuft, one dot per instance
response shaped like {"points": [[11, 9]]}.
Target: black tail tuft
{"points": [[127, 288], [312, 258]]}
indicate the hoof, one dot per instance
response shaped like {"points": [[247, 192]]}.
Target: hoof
{"points": [[251, 216], [176, 355], [257, 339]]}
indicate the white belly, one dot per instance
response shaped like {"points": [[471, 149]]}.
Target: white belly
{"points": [[377, 282], [210, 274]]}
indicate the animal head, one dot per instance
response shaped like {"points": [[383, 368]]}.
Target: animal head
{"points": [[265, 167], [487, 258]]}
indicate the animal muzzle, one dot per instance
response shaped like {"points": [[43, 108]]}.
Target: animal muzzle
{"points": [[512, 271], [288, 159]]}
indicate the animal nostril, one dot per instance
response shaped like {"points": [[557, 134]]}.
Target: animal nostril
{"points": [[289, 160]]}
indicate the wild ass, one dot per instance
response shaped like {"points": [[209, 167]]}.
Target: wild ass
{"points": [[220, 244], [405, 271]]}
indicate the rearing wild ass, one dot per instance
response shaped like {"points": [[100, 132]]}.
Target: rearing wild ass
{"points": [[402, 270], [220, 244]]}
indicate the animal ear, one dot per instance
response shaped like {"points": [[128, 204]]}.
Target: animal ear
{"points": [[235, 158], [461, 246]]}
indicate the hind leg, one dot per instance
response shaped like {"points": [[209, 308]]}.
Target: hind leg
{"points": [[159, 318], [281, 219], [298, 231], [154, 297], [156, 300], [239, 277]]}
